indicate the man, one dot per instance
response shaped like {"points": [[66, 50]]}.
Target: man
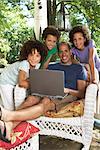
{"points": [[75, 84], [75, 74]]}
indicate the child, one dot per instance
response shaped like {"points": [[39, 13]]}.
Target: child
{"points": [[50, 38], [18, 73], [84, 49]]}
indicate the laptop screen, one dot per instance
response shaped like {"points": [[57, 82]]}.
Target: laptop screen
{"points": [[47, 82]]}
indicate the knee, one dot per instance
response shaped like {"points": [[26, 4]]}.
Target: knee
{"points": [[31, 99], [45, 101]]}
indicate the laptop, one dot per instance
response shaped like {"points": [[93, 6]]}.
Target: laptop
{"points": [[48, 83]]}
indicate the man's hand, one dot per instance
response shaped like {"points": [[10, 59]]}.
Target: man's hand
{"points": [[66, 90]]}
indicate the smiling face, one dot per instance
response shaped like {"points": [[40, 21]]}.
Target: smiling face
{"points": [[79, 40], [50, 41], [34, 58], [65, 54]]}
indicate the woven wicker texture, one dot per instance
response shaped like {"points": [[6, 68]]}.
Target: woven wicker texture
{"points": [[74, 128], [30, 144]]}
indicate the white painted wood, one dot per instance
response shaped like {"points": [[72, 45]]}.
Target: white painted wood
{"points": [[40, 17]]}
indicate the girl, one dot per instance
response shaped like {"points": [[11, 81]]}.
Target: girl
{"points": [[50, 37], [17, 73], [84, 49]]}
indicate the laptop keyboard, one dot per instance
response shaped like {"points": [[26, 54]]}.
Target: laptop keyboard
{"points": [[49, 96]]}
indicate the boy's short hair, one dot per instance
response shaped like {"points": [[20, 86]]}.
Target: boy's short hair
{"points": [[30, 46], [52, 31]]}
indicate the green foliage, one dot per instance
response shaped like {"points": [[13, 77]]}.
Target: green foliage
{"points": [[3, 63], [14, 29], [16, 39]]}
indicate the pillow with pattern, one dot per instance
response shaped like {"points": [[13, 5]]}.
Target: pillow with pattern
{"points": [[20, 134]]}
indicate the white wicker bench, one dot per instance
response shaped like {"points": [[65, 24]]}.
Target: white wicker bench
{"points": [[76, 128]]}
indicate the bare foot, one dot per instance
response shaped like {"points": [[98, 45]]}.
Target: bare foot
{"points": [[5, 131], [2, 126], [9, 128], [4, 114]]}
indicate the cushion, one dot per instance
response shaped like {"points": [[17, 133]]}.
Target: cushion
{"points": [[73, 109], [20, 134]]}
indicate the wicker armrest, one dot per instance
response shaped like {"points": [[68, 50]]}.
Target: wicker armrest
{"points": [[90, 100], [90, 97], [88, 118]]}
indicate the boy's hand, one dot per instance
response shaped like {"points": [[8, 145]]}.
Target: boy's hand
{"points": [[52, 51]]}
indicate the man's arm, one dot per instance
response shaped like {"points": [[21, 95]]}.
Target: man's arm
{"points": [[80, 92]]}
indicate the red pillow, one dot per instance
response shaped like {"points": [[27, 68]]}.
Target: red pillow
{"points": [[20, 134]]}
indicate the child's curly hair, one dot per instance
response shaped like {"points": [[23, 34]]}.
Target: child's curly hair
{"points": [[52, 31], [84, 30], [30, 46]]}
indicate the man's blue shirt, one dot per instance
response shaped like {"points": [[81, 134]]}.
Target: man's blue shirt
{"points": [[72, 73]]}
